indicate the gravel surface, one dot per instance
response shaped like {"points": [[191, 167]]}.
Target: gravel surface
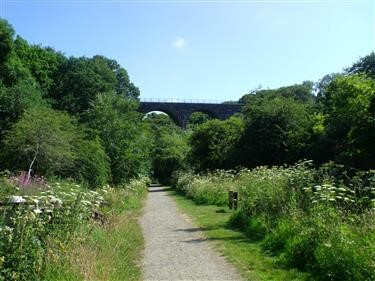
{"points": [[175, 249]]}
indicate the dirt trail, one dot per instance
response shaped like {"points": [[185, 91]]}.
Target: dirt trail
{"points": [[175, 249]]}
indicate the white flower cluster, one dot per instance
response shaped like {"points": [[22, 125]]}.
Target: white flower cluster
{"points": [[60, 197]]}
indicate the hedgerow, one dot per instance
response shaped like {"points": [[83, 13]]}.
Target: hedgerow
{"points": [[307, 217]]}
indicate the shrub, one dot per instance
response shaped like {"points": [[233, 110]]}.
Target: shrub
{"points": [[92, 163]]}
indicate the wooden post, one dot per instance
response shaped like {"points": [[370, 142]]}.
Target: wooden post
{"points": [[235, 200], [230, 199]]}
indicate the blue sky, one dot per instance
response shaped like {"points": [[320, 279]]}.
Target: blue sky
{"points": [[204, 50]]}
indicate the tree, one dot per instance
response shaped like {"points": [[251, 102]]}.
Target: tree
{"points": [[169, 153], [299, 92], [91, 163], [123, 86], [168, 146], [213, 143], [6, 40], [159, 123], [277, 131], [15, 100], [41, 140], [79, 80], [350, 119], [197, 118], [11, 67], [125, 139], [365, 65], [41, 62]]}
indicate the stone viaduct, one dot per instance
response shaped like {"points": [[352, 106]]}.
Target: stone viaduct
{"points": [[180, 111]]}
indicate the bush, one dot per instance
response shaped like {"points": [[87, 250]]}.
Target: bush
{"points": [[42, 141], [92, 163]]}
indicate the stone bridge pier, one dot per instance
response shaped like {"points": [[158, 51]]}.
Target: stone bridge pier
{"points": [[180, 112]]}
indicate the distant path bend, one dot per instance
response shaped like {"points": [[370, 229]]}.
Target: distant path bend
{"points": [[175, 249]]}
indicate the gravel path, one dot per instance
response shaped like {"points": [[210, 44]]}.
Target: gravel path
{"points": [[175, 249]]}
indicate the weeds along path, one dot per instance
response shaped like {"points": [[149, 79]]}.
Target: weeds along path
{"points": [[175, 249]]}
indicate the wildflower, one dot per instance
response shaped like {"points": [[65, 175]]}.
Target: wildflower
{"points": [[17, 199], [56, 201], [85, 202], [8, 229]]}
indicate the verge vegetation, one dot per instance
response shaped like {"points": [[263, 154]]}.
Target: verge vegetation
{"points": [[62, 231], [309, 219]]}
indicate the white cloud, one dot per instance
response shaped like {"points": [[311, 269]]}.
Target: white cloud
{"points": [[180, 44]]}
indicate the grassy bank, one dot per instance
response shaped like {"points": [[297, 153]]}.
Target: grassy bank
{"points": [[112, 250], [245, 254], [65, 232], [309, 219]]}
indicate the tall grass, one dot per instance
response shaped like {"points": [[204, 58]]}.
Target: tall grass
{"points": [[44, 226], [111, 250], [313, 219]]}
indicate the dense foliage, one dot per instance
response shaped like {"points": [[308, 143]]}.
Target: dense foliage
{"points": [[68, 116], [169, 147], [307, 217]]}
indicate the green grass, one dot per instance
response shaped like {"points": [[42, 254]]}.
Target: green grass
{"points": [[106, 251], [112, 253], [244, 254]]}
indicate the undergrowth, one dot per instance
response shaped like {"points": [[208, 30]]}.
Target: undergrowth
{"points": [[315, 220], [53, 230]]}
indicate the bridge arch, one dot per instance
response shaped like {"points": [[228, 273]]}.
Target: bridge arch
{"points": [[170, 114], [209, 112], [181, 111]]}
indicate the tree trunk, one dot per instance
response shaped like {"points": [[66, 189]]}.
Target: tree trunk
{"points": [[31, 164]]}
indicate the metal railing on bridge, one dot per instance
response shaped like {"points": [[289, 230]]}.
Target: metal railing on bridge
{"points": [[173, 100]]}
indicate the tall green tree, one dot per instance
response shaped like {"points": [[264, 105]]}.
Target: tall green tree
{"points": [[91, 163], [350, 119], [41, 141], [299, 92], [365, 65], [42, 62], [169, 146], [14, 100], [6, 40], [197, 118], [213, 143], [169, 155], [126, 141], [11, 68], [79, 80], [277, 131]]}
